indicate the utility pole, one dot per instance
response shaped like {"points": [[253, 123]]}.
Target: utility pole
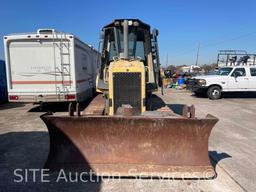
{"points": [[197, 54], [166, 65]]}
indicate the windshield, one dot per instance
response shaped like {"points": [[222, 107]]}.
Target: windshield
{"points": [[136, 42], [224, 71]]}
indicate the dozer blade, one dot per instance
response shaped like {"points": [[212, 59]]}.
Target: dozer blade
{"points": [[131, 146]]}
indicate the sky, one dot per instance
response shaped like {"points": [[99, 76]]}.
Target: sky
{"points": [[182, 24]]}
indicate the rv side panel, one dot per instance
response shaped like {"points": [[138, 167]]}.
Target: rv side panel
{"points": [[85, 70]]}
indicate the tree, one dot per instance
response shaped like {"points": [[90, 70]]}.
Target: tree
{"points": [[171, 68], [209, 67]]}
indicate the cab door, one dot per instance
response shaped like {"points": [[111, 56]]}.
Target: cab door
{"points": [[238, 80]]}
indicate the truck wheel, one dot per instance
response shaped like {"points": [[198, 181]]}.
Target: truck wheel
{"points": [[214, 92]]}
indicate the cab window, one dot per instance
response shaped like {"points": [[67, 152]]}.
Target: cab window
{"points": [[253, 72], [224, 71], [239, 72]]}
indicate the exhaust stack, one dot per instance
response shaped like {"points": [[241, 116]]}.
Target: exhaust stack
{"points": [[126, 45]]}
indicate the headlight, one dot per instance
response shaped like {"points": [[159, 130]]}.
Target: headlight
{"points": [[201, 82]]}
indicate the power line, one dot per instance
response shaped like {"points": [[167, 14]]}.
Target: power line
{"points": [[231, 39], [218, 43]]}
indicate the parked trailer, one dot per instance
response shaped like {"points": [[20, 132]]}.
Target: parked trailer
{"points": [[49, 66], [3, 83]]}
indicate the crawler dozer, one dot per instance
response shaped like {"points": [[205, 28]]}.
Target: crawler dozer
{"points": [[126, 130]]}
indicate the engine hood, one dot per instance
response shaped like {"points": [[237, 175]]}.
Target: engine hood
{"points": [[206, 77]]}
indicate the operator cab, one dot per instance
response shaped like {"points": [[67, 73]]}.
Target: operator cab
{"points": [[138, 40], [129, 39]]}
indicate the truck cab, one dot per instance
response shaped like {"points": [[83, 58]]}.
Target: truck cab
{"points": [[226, 79]]}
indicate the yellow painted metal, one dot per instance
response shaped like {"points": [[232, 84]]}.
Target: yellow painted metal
{"points": [[123, 66], [97, 82]]}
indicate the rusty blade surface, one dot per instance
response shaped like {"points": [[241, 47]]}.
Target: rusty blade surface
{"points": [[131, 146], [96, 106]]}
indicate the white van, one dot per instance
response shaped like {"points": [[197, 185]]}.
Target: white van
{"points": [[227, 79], [49, 66]]}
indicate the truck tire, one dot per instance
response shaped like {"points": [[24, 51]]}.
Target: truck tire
{"points": [[214, 92]]}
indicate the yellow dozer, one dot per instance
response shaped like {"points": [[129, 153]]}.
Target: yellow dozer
{"points": [[126, 130]]}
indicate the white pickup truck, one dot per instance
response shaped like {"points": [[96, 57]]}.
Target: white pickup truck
{"points": [[227, 79]]}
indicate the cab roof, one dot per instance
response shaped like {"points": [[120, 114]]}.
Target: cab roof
{"points": [[118, 22]]}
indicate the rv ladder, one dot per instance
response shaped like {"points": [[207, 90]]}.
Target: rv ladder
{"points": [[61, 41]]}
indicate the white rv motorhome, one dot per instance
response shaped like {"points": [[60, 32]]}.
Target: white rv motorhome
{"points": [[49, 66]]}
